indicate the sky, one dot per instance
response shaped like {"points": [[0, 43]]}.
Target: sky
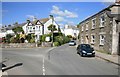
{"points": [[63, 12]]}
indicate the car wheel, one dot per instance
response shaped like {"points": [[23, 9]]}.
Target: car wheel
{"points": [[81, 55], [94, 55], [78, 53]]}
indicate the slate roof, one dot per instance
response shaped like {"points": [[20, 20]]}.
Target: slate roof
{"points": [[43, 21], [72, 27]]}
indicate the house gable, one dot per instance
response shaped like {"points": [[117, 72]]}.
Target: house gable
{"points": [[30, 24], [38, 23]]}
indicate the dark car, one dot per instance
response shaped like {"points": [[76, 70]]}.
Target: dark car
{"points": [[72, 43], [85, 50]]}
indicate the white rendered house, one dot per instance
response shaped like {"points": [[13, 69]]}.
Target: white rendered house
{"points": [[39, 27], [70, 30]]}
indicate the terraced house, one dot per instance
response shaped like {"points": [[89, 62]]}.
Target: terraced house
{"points": [[102, 30]]}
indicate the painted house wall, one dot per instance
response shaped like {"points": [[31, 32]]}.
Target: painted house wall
{"points": [[70, 31], [25, 28], [48, 23]]}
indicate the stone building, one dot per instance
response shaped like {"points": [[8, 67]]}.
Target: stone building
{"points": [[102, 30]]}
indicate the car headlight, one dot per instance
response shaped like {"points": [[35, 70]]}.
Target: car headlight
{"points": [[93, 51], [84, 51]]}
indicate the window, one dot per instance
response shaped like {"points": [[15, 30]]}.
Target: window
{"points": [[39, 28], [87, 26], [82, 28], [33, 28], [93, 23], [82, 39], [92, 39], [102, 21], [102, 37], [36, 27]]}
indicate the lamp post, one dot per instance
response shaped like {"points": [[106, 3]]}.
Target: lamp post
{"points": [[51, 16]]}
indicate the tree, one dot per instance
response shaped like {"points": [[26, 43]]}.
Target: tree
{"points": [[8, 36], [9, 25], [52, 28], [78, 25], [17, 29]]}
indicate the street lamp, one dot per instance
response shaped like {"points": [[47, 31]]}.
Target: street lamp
{"points": [[51, 16]]}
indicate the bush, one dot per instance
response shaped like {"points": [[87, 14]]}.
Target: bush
{"points": [[28, 37], [69, 36], [42, 38], [59, 39], [66, 39], [56, 43], [32, 40], [8, 36], [14, 40]]}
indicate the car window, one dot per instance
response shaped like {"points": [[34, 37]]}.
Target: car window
{"points": [[86, 46]]}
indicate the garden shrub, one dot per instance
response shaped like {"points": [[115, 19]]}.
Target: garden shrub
{"points": [[56, 43]]}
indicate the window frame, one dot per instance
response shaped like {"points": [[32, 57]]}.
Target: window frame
{"points": [[102, 21], [92, 39], [102, 39], [93, 27], [87, 25]]}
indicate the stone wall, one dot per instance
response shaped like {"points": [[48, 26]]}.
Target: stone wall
{"points": [[18, 45]]}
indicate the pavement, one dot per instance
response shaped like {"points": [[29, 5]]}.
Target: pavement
{"points": [[110, 58]]}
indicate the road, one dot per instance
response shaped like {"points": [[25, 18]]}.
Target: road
{"points": [[61, 60]]}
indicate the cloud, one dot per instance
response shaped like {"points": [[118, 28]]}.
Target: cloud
{"points": [[70, 23], [0, 24], [108, 0], [65, 13], [30, 16], [60, 19], [70, 14], [56, 11]]}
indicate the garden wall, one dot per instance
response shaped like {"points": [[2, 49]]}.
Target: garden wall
{"points": [[18, 45]]}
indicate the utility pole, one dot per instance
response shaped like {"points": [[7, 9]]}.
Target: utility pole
{"points": [[51, 16]]}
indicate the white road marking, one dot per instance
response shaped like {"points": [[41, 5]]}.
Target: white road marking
{"points": [[44, 60], [43, 66]]}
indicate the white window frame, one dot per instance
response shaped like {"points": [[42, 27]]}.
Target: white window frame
{"points": [[87, 26], [101, 20], [92, 39], [82, 27], [82, 40], [102, 39], [93, 24]]}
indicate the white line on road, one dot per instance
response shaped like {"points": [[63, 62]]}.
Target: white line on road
{"points": [[43, 66]]}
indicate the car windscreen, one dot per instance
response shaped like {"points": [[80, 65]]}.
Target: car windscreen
{"points": [[86, 46], [71, 41]]}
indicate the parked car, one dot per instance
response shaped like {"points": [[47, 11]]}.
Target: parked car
{"points": [[85, 50], [72, 43]]}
